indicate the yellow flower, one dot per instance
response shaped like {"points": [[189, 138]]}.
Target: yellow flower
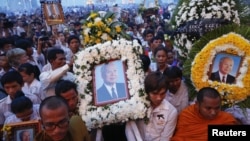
{"points": [[99, 24], [110, 20], [98, 41], [96, 26], [93, 15], [231, 94], [118, 29], [89, 25], [99, 33], [107, 30]]}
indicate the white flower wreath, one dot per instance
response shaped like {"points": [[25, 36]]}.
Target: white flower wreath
{"points": [[133, 108], [202, 9]]}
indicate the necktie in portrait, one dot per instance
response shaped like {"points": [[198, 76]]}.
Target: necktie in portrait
{"points": [[113, 93], [223, 79]]}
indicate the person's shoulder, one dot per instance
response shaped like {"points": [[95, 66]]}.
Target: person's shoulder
{"points": [[230, 76], [167, 105], [120, 84], [4, 100]]}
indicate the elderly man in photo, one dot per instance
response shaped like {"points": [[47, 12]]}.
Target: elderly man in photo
{"points": [[25, 135], [225, 67], [110, 90]]}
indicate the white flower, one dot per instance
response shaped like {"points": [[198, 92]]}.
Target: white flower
{"points": [[98, 19], [132, 108], [104, 36], [86, 30], [208, 9]]}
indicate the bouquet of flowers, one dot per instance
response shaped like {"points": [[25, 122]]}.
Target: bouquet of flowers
{"points": [[201, 9], [101, 28]]}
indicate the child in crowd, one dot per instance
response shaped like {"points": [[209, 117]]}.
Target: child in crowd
{"points": [[177, 93], [32, 85], [12, 82], [161, 58], [23, 110]]}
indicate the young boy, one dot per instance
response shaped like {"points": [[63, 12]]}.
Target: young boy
{"points": [[162, 115], [12, 82]]}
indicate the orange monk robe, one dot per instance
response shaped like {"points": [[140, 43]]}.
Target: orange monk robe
{"points": [[191, 126]]}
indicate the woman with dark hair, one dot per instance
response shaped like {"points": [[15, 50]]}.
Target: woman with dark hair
{"points": [[32, 85]]}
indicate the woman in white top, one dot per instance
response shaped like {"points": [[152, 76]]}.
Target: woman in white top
{"points": [[32, 85]]}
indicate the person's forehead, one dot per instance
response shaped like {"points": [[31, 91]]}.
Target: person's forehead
{"points": [[227, 60], [48, 113], [209, 101], [12, 83]]}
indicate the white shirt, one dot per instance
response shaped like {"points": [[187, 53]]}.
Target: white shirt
{"points": [[5, 110], [34, 116], [180, 99], [109, 88], [39, 59], [242, 114], [162, 122], [49, 79], [34, 88], [221, 76]]}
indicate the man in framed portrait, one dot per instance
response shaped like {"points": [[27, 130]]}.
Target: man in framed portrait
{"points": [[110, 89], [25, 135], [223, 74]]}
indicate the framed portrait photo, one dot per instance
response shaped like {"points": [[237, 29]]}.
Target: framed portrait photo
{"points": [[24, 131], [110, 78], [53, 13], [110, 83], [225, 68]]}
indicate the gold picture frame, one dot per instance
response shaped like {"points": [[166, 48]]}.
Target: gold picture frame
{"points": [[53, 13], [27, 129]]}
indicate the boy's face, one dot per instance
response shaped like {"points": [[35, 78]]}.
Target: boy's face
{"points": [[149, 37], [156, 97], [3, 61], [11, 88]]}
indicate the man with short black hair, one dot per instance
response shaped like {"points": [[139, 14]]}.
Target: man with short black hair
{"points": [[57, 125], [68, 91], [59, 70], [193, 121]]}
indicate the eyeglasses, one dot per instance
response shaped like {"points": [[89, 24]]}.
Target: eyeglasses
{"points": [[51, 126]]}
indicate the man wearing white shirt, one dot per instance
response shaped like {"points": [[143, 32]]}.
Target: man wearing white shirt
{"points": [[12, 82], [59, 70]]}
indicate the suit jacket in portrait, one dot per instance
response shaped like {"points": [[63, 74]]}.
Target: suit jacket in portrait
{"points": [[215, 76], [103, 94]]}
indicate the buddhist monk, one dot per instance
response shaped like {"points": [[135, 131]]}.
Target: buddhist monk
{"points": [[193, 121]]}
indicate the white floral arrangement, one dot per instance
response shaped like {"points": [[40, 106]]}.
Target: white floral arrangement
{"points": [[230, 43], [133, 108], [202, 9]]}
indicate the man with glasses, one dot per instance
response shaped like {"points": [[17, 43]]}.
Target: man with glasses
{"points": [[57, 125]]}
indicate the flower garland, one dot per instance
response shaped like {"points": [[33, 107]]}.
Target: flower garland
{"points": [[201, 9], [6, 130], [230, 43], [133, 108], [100, 28]]}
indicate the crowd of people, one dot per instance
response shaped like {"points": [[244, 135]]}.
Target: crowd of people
{"points": [[38, 82]]}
